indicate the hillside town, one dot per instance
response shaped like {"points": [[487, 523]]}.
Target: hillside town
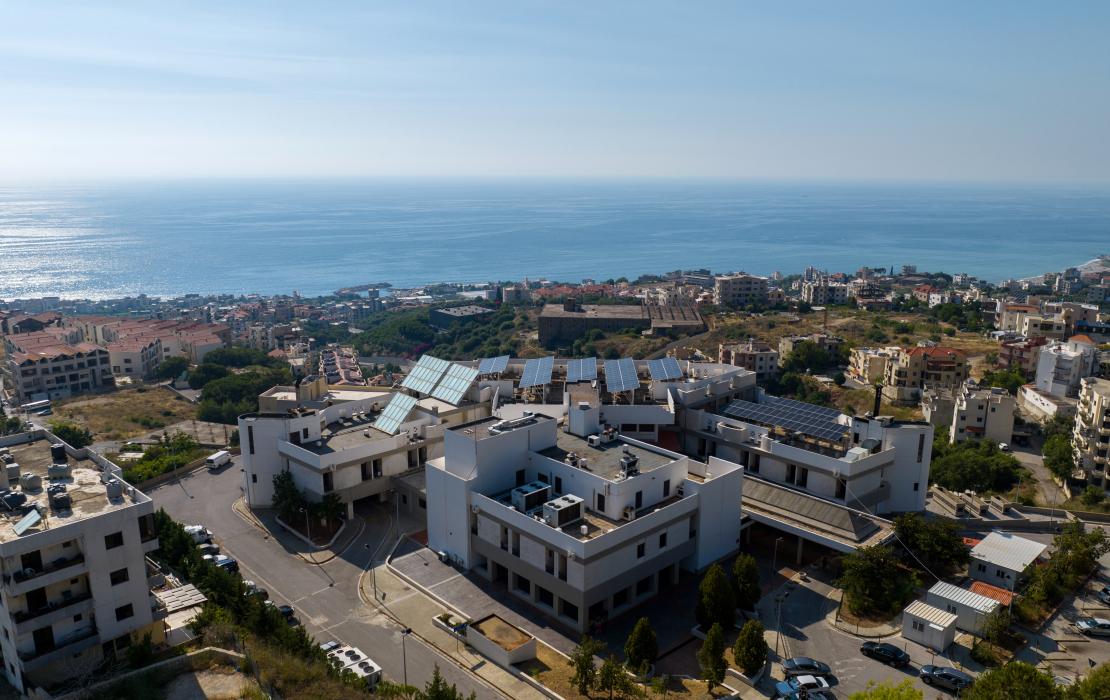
{"points": [[692, 484]]}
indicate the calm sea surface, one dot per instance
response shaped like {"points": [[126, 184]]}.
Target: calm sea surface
{"points": [[168, 239]]}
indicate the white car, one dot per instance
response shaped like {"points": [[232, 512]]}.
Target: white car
{"points": [[199, 533], [1005, 447], [1104, 595], [1094, 626]]}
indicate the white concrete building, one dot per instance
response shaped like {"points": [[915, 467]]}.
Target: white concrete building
{"points": [[825, 292], [970, 608], [930, 627], [739, 289], [869, 364], [1001, 559], [576, 519], [1061, 365], [72, 551], [983, 413], [1091, 434]]}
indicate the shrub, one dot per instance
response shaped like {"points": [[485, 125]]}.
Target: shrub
{"points": [[750, 650], [716, 604], [642, 647]]}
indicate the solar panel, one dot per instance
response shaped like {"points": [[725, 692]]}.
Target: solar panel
{"points": [[493, 365], [620, 375], [395, 413], [30, 520], [537, 372], [426, 374], [584, 370], [664, 369], [455, 383], [815, 421]]}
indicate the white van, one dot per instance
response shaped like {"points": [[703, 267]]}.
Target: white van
{"points": [[217, 460]]}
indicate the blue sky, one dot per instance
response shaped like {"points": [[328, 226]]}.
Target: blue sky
{"points": [[989, 91]]}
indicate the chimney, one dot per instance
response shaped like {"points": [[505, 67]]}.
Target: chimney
{"points": [[878, 400]]}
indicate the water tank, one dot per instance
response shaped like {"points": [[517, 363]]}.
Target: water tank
{"points": [[58, 471], [11, 471], [58, 453], [7, 458], [61, 502], [29, 481], [14, 500], [114, 489]]}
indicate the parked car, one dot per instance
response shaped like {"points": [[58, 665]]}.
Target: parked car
{"points": [[945, 677], [328, 646], [1004, 447], [1104, 595], [287, 612], [208, 548], [223, 561], [218, 459], [253, 589], [1094, 626], [885, 652], [199, 533], [800, 685], [803, 665]]}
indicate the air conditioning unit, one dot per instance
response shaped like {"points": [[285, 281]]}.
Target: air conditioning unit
{"points": [[593, 440], [629, 513]]}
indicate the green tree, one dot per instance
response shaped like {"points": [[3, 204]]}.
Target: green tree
{"points": [[1094, 686], [171, 368], [874, 581], [750, 650], [582, 661], [1011, 380], [288, 499], [71, 433], [660, 685], [1058, 456], [642, 647], [937, 543], [1092, 496], [996, 625], [612, 679], [1015, 679], [715, 600], [711, 657], [438, 689], [973, 465], [206, 372], [1059, 425], [887, 691], [745, 581]]}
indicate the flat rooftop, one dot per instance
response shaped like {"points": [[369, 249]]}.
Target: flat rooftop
{"points": [[625, 311], [604, 460], [346, 434], [479, 429], [87, 493]]}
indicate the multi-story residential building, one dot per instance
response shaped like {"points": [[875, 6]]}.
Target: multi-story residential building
{"points": [[582, 522], [135, 357], [1091, 434], [1062, 365], [739, 289], [260, 336], [1010, 316], [1046, 325], [869, 364], [983, 413], [1021, 354], [44, 366], [334, 440], [917, 368], [824, 292], [829, 343], [1073, 314], [754, 355], [72, 551]]}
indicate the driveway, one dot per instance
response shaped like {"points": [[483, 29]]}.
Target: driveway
{"points": [[326, 597], [1048, 493]]}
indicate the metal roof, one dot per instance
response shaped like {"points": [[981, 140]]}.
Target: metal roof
{"points": [[180, 598], [1008, 551], [922, 610], [962, 596]]}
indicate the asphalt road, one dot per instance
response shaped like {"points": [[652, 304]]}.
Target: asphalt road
{"points": [[325, 597]]}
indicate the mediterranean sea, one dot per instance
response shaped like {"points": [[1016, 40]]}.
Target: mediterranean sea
{"points": [[315, 236]]}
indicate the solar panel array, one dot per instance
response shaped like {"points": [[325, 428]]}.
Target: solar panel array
{"points": [[537, 372], [805, 418], [665, 369], [493, 365], [584, 370], [455, 383], [395, 413], [620, 375], [426, 374]]}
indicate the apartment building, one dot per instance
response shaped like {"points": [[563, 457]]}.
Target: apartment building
{"points": [[47, 365], [1061, 366], [825, 292], [579, 521], [135, 357], [829, 343], [189, 339], [985, 413], [739, 290], [753, 355], [914, 369], [1021, 354], [72, 554], [869, 364], [1046, 325], [345, 440], [1091, 434]]}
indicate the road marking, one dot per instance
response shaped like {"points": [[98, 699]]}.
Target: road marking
{"points": [[446, 580]]}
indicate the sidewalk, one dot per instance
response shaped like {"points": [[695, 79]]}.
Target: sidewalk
{"points": [[265, 521]]}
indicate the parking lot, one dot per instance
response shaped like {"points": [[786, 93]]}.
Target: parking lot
{"points": [[326, 597]]}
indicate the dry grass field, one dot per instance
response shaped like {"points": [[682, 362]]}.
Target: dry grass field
{"points": [[127, 413]]}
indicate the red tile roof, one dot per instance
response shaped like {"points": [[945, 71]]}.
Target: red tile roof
{"points": [[937, 352], [1000, 594]]}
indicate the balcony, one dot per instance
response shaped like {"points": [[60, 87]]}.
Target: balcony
{"points": [[58, 570], [63, 648], [27, 621]]}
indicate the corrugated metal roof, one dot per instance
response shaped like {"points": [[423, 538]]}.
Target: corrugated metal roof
{"points": [[936, 616], [180, 598], [962, 596], [1008, 551]]}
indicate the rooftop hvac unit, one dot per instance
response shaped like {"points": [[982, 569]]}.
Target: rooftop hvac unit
{"points": [[58, 471], [562, 511], [58, 453], [593, 440], [530, 496], [114, 489], [571, 459], [628, 464], [12, 472], [629, 513], [29, 481]]}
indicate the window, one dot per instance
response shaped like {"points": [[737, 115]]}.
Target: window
{"points": [[328, 482], [600, 503], [666, 488], [639, 500], [113, 540], [640, 550], [982, 568], [662, 540], [791, 473], [77, 617], [841, 488], [364, 468], [920, 447], [423, 504], [915, 485], [520, 477], [377, 464], [119, 576], [919, 625], [254, 478], [803, 477], [558, 484], [250, 439], [124, 612], [542, 478]]}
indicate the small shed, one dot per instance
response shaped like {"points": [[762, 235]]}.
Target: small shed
{"points": [[1001, 558], [970, 608], [930, 627]]}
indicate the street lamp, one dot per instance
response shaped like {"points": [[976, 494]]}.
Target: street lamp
{"points": [[307, 525], [404, 656], [775, 560]]}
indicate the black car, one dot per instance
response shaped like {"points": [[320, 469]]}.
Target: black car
{"points": [[887, 653], [945, 677], [804, 666]]}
